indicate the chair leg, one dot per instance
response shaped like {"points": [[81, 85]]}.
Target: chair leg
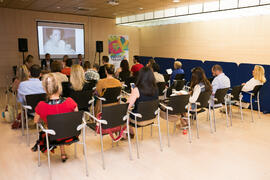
{"points": [[159, 133], [102, 152], [189, 127], [227, 118], [174, 127], [210, 119], [27, 129], [197, 124], [231, 113], [137, 145], [38, 156], [168, 134], [142, 134], [22, 120], [240, 106], [251, 108], [84, 152], [214, 117], [48, 154], [129, 142]]}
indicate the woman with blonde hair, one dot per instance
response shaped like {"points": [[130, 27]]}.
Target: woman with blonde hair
{"points": [[77, 79], [55, 104], [23, 74], [258, 79]]}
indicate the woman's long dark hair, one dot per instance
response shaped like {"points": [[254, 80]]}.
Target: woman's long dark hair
{"points": [[198, 76], [146, 82], [124, 65]]}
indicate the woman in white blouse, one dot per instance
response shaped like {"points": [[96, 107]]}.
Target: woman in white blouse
{"points": [[258, 79], [199, 83]]}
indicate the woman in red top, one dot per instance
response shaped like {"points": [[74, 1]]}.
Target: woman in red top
{"points": [[54, 105], [67, 68]]}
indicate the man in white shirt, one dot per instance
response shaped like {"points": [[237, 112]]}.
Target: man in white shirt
{"points": [[220, 81], [31, 86]]}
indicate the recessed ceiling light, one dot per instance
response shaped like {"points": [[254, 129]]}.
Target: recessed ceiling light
{"points": [[140, 8], [58, 7], [176, 1]]}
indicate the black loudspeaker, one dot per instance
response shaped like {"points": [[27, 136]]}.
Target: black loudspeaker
{"points": [[22, 44], [99, 46]]}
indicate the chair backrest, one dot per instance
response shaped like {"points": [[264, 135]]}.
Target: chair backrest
{"points": [[236, 92], [92, 83], [178, 84], [178, 103], [220, 95], [33, 100], [129, 80], [66, 89], [166, 77], [204, 98], [82, 98], [161, 87], [114, 115], [256, 90], [65, 124], [111, 94], [147, 109], [179, 77]]}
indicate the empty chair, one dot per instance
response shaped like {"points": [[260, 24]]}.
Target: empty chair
{"points": [[173, 108], [217, 102], [114, 116], [61, 126], [147, 111], [29, 109]]}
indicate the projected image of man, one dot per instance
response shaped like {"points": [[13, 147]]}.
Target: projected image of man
{"points": [[56, 45]]}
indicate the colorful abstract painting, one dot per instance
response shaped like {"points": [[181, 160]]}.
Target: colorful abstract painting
{"points": [[118, 49]]}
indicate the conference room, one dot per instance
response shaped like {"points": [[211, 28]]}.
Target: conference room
{"points": [[134, 89]]}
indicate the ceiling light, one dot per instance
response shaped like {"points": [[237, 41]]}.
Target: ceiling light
{"points": [[58, 7], [113, 2], [176, 1], [140, 8]]}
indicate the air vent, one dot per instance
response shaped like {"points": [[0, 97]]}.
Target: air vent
{"points": [[84, 9], [113, 2]]}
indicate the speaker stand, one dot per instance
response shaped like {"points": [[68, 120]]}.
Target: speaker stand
{"points": [[23, 57], [99, 58]]}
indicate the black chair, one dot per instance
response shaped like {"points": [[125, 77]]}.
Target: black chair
{"points": [[111, 95], [64, 126], [174, 106], [65, 89], [255, 93], [167, 78], [29, 109], [178, 84], [179, 77], [131, 79], [146, 112], [218, 101], [236, 96], [84, 99], [112, 116], [201, 104], [161, 87]]}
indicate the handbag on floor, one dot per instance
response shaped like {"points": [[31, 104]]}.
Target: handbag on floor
{"points": [[111, 131]]}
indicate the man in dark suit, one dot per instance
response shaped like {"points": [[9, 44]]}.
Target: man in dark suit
{"points": [[102, 73], [46, 63]]}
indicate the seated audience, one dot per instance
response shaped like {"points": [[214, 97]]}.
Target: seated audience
{"points": [[46, 63], [55, 105], [108, 82], [66, 69], [177, 70], [145, 90], [150, 63], [137, 66], [92, 73], [79, 60], [31, 86], [77, 79], [199, 83], [86, 66], [23, 74], [56, 69], [29, 61], [101, 71], [220, 81], [159, 77], [258, 79], [65, 58], [123, 73]]}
